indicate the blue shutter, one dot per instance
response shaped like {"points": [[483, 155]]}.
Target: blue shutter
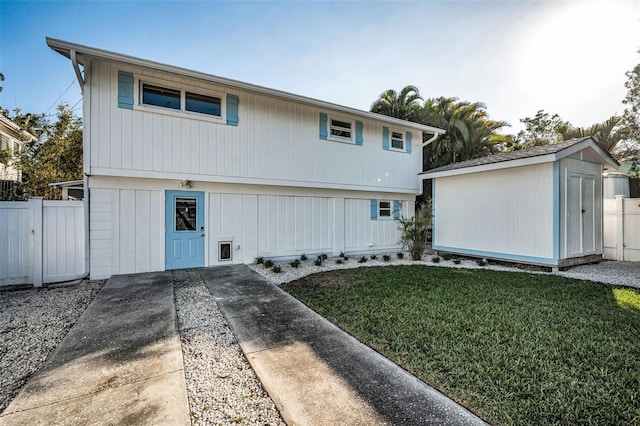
{"points": [[359, 127], [232, 110], [125, 90], [323, 126], [385, 138], [374, 209], [408, 142], [396, 209]]}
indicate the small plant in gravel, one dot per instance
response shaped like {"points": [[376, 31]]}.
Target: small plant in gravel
{"points": [[303, 257], [400, 255], [373, 257], [362, 260], [295, 263], [277, 269], [318, 261], [386, 258], [346, 258], [260, 260], [435, 259], [339, 261], [481, 262], [324, 256], [342, 255], [447, 256], [456, 261], [268, 263]]}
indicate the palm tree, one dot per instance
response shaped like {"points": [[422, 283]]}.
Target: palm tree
{"points": [[404, 105], [608, 133], [1, 79]]}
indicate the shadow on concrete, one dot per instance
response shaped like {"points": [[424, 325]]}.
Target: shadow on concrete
{"points": [[315, 372], [120, 363]]}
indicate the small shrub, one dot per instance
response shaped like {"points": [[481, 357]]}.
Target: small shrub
{"points": [[346, 258], [447, 256], [481, 262], [277, 269], [318, 261], [386, 257], [456, 261], [303, 257], [435, 259], [260, 260], [268, 263], [295, 263], [400, 255], [342, 255], [324, 256], [362, 260], [339, 261], [373, 257]]}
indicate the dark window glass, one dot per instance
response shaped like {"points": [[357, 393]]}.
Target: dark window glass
{"points": [[385, 209], [160, 96], [397, 141], [203, 104], [341, 129], [186, 211]]}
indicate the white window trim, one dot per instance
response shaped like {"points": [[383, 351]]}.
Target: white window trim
{"points": [[390, 217], [351, 140], [404, 140], [182, 113]]}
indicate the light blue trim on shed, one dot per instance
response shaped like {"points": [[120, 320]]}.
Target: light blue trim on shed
{"points": [[125, 89], [232, 110], [385, 138], [433, 211], [556, 210], [374, 209], [408, 142], [359, 127], [396, 209], [323, 126], [495, 255]]}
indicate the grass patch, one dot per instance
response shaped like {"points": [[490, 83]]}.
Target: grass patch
{"points": [[515, 348]]}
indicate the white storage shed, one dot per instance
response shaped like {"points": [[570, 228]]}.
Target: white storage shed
{"points": [[540, 206]]}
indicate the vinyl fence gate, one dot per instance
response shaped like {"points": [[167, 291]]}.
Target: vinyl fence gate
{"points": [[41, 241]]}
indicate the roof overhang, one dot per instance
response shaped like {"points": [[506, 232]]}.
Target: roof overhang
{"points": [[83, 53], [68, 184], [589, 145], [20, 134]]}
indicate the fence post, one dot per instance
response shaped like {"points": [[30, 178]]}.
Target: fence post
{"points": [[35, 205], [619, 227]]}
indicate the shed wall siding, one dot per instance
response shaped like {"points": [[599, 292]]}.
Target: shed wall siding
{"points": [[507, 211], [275, 140]]}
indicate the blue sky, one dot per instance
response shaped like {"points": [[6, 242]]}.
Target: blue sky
{"points": [[566, 57]]}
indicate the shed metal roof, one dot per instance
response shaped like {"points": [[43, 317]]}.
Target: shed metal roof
{"points": [[535, 155]]}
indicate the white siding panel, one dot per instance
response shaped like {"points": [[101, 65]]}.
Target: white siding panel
{"points": [[361, 232], [63, 240], [504, 211], [15, 242], [100, 233]]}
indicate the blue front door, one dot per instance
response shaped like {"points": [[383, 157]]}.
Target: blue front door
{"points": [[184, 237]]}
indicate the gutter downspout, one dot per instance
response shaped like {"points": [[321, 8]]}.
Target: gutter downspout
{"points": [[433, 138], [74, 61]]}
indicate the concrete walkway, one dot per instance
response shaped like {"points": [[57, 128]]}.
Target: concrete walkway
{"points": [[316, 373], [121, 363]]}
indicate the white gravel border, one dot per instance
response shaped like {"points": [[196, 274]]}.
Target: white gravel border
{"points": [[222, 388], [608, 272]]}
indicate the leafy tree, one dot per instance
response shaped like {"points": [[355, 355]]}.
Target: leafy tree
{"points": [[631, 114], [542, 129], [404, 105], [1, 79], [55, 157]]}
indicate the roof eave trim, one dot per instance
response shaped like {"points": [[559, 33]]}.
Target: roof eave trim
{"points": [[491, 166], [64, 48]]}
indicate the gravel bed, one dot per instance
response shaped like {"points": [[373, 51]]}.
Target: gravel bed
{"points": [[32, 323], [609, 272], [221, 385]]}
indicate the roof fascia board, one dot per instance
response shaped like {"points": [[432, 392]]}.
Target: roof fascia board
{"points": [[492, 166], [605, 158], [64, 48]]}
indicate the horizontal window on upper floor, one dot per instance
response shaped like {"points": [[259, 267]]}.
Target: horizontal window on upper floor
{"points": [[340, 129], [396, 140], [168, 98]]}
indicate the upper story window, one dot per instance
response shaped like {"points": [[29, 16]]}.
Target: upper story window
{"points": [[161, 96], [340, 129], [397, 140], [181, 100], [384, 208], [203, 104]]}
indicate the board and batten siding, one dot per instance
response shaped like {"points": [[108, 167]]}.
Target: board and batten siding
{"points": [[275, 142], [378, 234], [476, 213]]}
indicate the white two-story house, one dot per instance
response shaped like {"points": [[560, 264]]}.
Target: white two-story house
{"points": [[187, 169], [12, 139]]}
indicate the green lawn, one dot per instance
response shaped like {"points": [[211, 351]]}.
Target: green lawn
{"points": [[515, 348]]}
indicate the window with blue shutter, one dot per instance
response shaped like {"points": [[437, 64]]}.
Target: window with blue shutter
{"points": [[359, 128], [232, 110], [408, 143], [125, 90], [397, 207], [385, 138], [374, 209], [323, 126]]}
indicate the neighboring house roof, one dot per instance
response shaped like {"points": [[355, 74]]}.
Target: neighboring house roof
{"points": [[68, 50], [16, 132], [535, 155]]}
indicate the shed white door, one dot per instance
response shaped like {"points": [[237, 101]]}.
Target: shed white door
{"points": [[582, 218]]}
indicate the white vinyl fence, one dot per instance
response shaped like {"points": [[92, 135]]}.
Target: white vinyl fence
{"points": [[622, 229], [41, 241]]}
